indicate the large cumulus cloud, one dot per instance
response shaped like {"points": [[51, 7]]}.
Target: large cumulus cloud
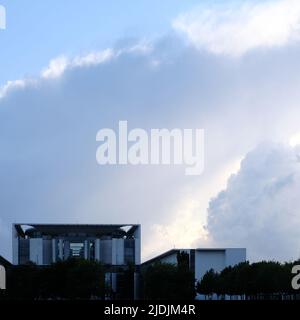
{"points": [[48, 125], [259, 209]]}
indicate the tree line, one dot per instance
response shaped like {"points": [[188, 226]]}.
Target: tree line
{"points": [[82, 279], [70, 279], [256, 281], [62, 280]]}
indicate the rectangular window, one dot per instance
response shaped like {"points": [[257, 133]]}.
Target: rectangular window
{"points": [[23, 251], [77, 249], [129, 251]]}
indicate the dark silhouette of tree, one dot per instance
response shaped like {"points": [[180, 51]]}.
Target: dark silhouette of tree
{"points": [[185, 279], [71, 279], [165, 281], [82, 279], [159, 281], [208, 284], [260, 280], [126, 283], [22, 282], [85, 280], [183, 260]]}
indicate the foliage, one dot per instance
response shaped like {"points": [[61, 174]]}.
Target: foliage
{"points": [[71, 279], [165, 281], [260, 280]]}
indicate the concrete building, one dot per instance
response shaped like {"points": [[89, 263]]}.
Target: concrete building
{"points": [[116, 246], [202, 260]]}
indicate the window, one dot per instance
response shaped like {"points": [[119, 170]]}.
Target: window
{"points": [[129, 251], [77, 250]]}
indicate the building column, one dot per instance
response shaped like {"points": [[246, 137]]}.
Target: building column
{"points": [[114, 252], [54, 250], [66, 249], [60, 249], [86, 249], [137, 246], [15, 243], [97, 250]]}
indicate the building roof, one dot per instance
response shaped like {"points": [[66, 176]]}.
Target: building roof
{"points": [[28, 229], [175, 251]]}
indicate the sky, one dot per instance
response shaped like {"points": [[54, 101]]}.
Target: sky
{"points": [[228, 67], [37, 31]]}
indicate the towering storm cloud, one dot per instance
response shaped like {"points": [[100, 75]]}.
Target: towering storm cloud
{"points": [[49, 122], [259, 209]]}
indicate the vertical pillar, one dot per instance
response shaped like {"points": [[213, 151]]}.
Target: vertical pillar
{"points": [[114, 252], [137, 245], [86, 249], [66, 250], [61, 249], [120, 252], [15, 242], [97, 250], [54, 250], [36, 251]]}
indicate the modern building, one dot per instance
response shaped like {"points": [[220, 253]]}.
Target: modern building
{"points": [[115, 245], [202, 260]]}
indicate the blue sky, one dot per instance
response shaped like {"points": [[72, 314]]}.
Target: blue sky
{"points": [[37, 31], [228, 67]]}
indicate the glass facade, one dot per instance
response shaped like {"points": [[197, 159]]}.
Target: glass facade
{"points": [[23, 251], [129, 251]]}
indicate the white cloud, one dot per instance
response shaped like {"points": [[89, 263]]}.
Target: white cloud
{"points": [[48, 125], [183, 229], [294, 140], [56, 67], [59, 65], [186, 227], [15, 84], [259, 209], [235, 28]]}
